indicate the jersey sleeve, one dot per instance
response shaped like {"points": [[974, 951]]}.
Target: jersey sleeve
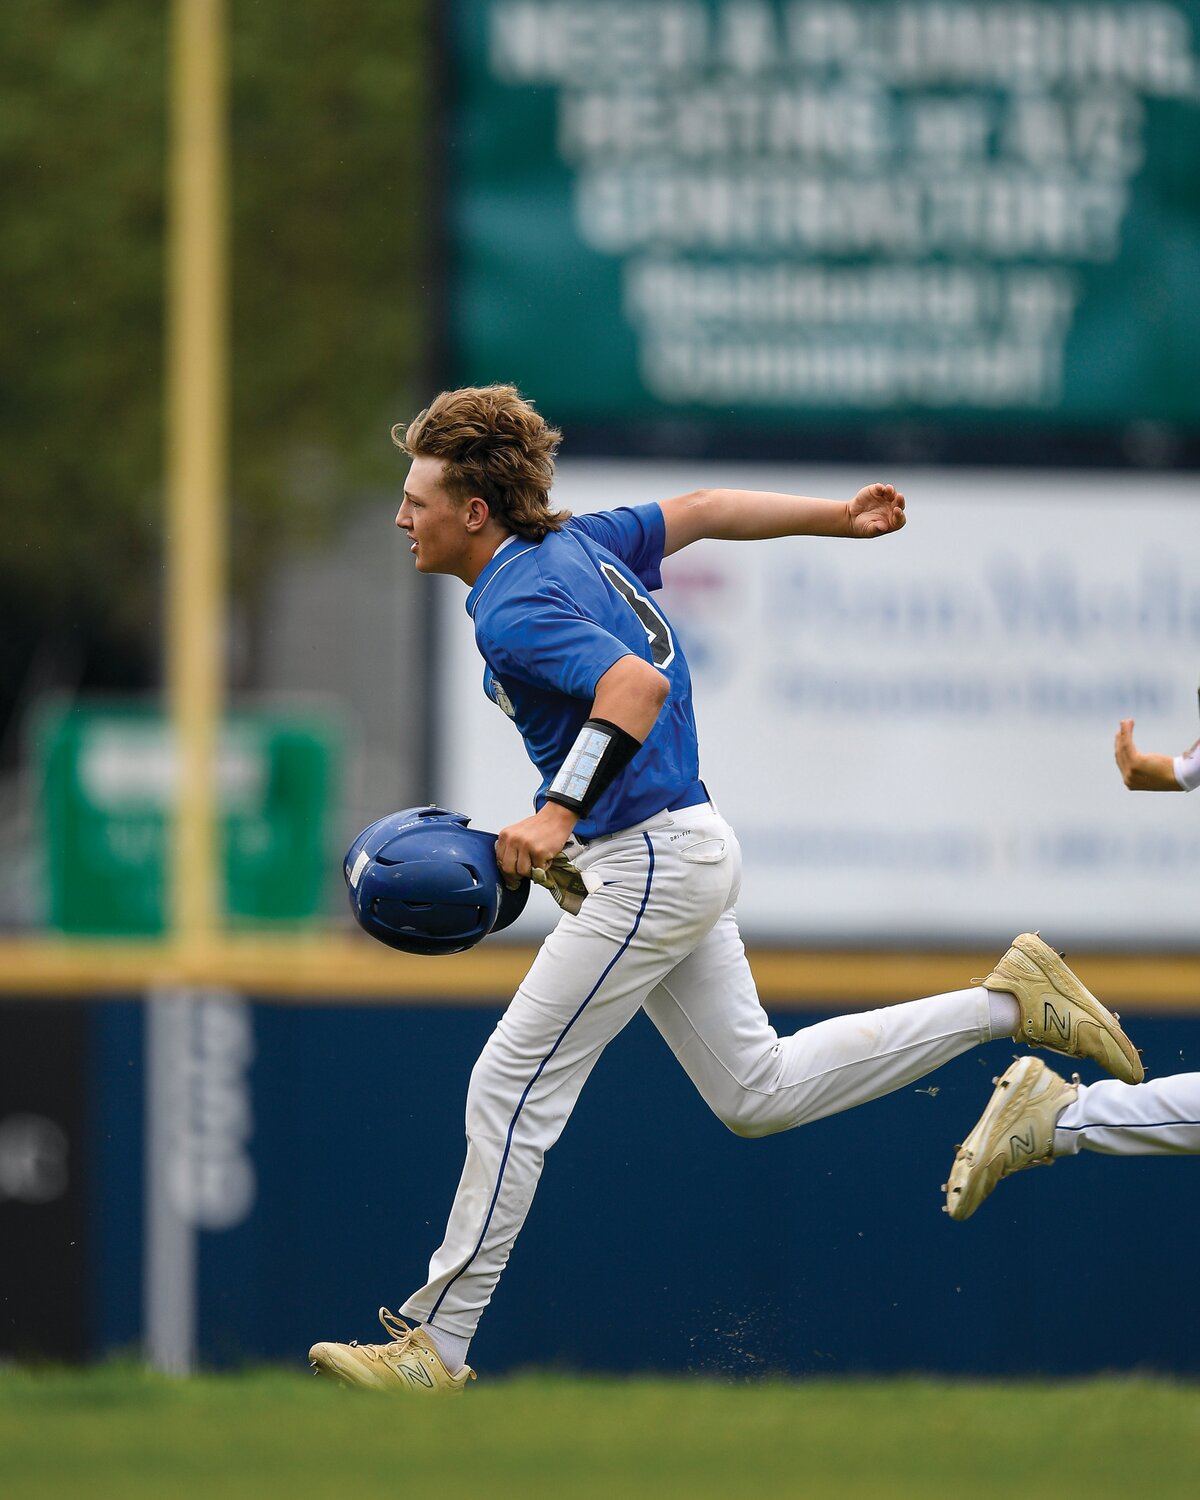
{"points": [[637, 534], [1187, 768], [550, 645]]}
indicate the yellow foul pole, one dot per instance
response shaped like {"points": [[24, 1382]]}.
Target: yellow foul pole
{"points": [[196, 416]]}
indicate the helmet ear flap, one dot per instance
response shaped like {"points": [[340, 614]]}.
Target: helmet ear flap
{"points": [[512, 904], [423, 881]]}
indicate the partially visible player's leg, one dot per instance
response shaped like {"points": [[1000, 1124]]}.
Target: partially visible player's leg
{"points": [[757, 1082], [1034, 1117], [1158, 1118]]}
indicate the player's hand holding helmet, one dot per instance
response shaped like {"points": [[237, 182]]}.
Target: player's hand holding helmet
{"points": [[422, 881]]}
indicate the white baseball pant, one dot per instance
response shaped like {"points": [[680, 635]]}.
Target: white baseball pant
{"points": [[1158, 1118], [657, 932]]}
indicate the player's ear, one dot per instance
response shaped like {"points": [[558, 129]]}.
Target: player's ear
{"points": [[478, 513]]}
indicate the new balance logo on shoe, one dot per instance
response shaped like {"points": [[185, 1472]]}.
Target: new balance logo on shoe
{"points": [[1021, 1147], [1053, 1022], [417, 1376]]}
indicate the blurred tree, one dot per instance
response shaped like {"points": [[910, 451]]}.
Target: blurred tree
{"points": [[81, 229], [330, 223], [328, 109]]}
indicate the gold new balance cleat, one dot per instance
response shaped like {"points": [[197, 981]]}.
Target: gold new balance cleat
{"points": [[1015, 1131], [1059, 1013], [409, 1363]]}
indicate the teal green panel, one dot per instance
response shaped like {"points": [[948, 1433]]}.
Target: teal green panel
{"points": [[105, 777]]}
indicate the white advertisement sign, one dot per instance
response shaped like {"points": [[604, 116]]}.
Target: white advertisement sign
{"points": [[913, 737]]}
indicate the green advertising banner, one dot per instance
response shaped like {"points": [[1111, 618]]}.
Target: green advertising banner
{"points": [[767, 213], [108, 778]]}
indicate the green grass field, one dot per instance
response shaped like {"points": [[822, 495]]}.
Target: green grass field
{"points": [[122, 1432]]}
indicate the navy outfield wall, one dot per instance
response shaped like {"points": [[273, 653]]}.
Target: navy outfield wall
{"points": [[657, 1241]]}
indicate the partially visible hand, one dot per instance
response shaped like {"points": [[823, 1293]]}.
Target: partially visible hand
{"points": [[876, 510], [1126, 752], [1140, 770], [532, 843]]}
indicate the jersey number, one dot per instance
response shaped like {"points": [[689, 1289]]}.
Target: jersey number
{"points": [[658, 632]]}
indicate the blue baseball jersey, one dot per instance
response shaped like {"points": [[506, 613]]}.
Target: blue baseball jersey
{"points": [[551, 617]]}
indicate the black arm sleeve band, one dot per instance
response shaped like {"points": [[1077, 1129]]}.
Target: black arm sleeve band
{"points": [[600, 753]]}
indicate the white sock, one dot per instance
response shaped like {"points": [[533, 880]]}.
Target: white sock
{"points": [[1004, 1014], [450, 1346]]}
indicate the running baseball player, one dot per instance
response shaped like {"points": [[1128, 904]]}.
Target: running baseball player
{"points": [[1035, 1116], [581, 657]]}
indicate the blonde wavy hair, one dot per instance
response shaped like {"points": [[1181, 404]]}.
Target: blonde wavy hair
{"points": [[494, 444]]}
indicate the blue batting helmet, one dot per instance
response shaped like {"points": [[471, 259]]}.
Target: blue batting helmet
{"points": [[420, 880]]}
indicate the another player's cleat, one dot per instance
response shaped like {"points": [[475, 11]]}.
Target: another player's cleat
{"points": [[1015, 1131], [1059, 1013], [408, 1363]]}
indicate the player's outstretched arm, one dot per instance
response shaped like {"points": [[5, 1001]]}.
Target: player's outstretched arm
{"points": [[1142, 771], [758, 515]]}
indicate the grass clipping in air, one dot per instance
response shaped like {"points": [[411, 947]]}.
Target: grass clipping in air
{"points": [[124, 1432]]}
